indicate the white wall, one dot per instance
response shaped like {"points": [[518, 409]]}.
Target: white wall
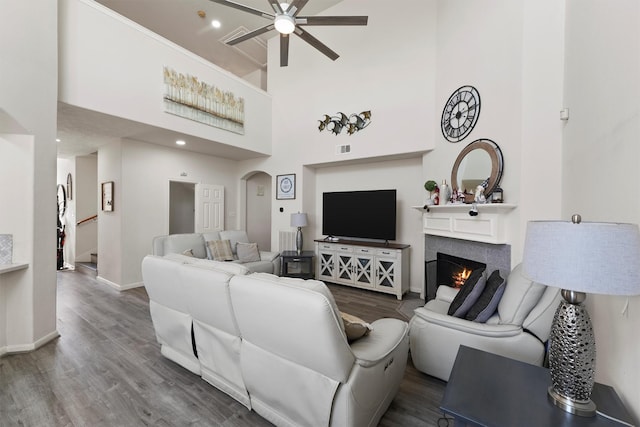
{"points": [[600, 162], [28, 92], [500, 48], [142, 201], [113, 66], [85, 184], [258, 209]]}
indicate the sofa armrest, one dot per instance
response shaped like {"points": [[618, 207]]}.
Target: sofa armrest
{"points": [[269, 256], [446, 293], [463, 325], [385, 337]]}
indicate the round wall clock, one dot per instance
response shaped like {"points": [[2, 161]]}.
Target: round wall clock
{"points": [[460, 113]]}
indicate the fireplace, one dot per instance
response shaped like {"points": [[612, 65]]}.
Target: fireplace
{"points": [[459, 252], [453, 271]]}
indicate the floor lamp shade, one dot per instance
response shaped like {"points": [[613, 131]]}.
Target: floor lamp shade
{"points": [[580, 258], [299, 220]]}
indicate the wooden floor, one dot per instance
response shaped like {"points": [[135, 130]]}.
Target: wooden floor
{"points": [[106, 369]]}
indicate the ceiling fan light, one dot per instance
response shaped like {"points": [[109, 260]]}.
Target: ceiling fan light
{"points": [[284, 24]]}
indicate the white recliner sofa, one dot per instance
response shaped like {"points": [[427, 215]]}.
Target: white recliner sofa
{"points": [[277, 345], [197, 242], [518, 330]]}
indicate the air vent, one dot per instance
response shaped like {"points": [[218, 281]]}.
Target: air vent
{"points": [[254, 49], [343, 149]]}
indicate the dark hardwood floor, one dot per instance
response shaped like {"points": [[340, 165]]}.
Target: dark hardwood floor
{"points": [[106, 369]]}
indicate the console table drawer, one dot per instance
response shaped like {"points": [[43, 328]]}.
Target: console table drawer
{"points": [[387, 253]]}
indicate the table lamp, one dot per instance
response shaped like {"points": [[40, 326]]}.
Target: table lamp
{"points": [[579, 258], [299, 220]]}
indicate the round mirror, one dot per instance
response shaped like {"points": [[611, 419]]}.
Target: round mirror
{"points": [[479, 163]]}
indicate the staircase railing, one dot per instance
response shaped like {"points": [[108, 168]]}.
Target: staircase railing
{"points": [[91, 218]]}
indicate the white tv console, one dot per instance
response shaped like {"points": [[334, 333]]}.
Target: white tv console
{"points": [[368, 265]]}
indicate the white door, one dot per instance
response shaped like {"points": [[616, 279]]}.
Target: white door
{"points": [[209, 208]]}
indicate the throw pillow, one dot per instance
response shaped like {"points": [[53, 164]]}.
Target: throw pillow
{"points": [[220, 250], [487, 304], [188, 252], [468, 294], [247, 252], [354, 327]]}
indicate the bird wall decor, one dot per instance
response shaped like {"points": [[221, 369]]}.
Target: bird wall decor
{"points": [[353, 123]]}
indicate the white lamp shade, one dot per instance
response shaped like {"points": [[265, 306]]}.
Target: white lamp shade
{"points": [[590, 257], [299, 219]]}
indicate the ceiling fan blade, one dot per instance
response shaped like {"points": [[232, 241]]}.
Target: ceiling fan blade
{"points": [[316, 43], [284, 50], [332, 20], [276, 6], [244, 8], [298, 4], [250, 35]]}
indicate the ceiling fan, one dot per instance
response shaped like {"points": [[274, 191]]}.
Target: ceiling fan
{"points": [[287, 21]]}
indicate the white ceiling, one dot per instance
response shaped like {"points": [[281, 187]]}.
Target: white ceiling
{"points": [[82, 132]]}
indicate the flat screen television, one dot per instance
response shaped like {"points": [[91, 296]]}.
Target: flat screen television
{"points": [[360, 214]]}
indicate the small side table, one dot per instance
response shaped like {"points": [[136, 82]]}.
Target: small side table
{"points": [[297, 265], [485, 389]]}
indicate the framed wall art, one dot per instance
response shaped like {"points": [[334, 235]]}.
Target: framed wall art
{"points": [[286, 187], [107, 196]]}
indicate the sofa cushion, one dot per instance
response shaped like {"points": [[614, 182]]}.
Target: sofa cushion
{"points": [[519, 298], [226, 267], [354, 326], [247, 252], [487, 304], [220, 250], [468, 294], [178, 243], [234, 236]]}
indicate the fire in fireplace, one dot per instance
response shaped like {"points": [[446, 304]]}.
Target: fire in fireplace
{"points": [[449, 271]]}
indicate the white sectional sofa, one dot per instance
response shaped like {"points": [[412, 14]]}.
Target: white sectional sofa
{"points": [[197, 242], [277, 345]]}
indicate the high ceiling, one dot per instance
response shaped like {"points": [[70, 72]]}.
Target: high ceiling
{"points": [[180, 21]]}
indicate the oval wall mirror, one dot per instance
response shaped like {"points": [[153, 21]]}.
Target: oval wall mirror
{"points": [[478, 162]]}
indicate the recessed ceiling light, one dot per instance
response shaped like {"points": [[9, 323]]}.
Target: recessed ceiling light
{"points": [[57, 139], [216, 24], [180, 142]]}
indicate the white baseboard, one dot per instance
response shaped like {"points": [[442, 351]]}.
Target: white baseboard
{"points": [[118, 287], [24, 348]]}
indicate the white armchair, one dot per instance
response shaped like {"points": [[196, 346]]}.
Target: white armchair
{"points": [[518, 330]]}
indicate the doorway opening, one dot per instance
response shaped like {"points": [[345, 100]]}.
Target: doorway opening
{"points": [[182, 207]]}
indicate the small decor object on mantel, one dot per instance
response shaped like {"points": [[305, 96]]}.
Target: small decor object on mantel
{"points": [[497, 196], [353, 123], [460, 113]]}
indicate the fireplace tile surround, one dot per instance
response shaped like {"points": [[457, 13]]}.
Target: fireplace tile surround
{"points": [[495, 256]]}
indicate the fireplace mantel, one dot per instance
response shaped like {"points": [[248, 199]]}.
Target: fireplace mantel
{"points": [[453, 220]]}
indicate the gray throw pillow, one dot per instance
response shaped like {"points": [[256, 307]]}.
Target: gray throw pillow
{"points": [[488, 302], [468, 294], [247, 252]]}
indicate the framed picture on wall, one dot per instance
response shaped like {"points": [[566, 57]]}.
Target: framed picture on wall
{"points": [[286, 187], [107, 196]]}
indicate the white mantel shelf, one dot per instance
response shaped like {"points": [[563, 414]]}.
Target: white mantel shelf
{"points": [[6, 268], [453, 220]]}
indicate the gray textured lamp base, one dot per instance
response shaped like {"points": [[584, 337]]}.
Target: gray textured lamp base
{"points": [[583, 408], [299, 241], [572, 356]]}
